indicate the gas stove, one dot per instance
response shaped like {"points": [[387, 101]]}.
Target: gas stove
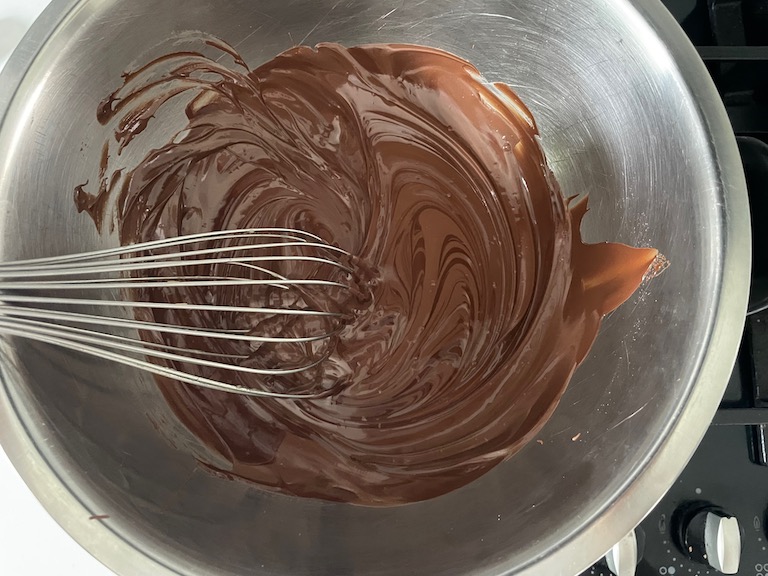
{"points": [[714, 520]]}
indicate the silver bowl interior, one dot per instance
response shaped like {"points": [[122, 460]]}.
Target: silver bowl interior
{"points": [[626, 114]]}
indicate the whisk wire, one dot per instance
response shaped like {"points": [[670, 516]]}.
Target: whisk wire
{"points": [[156, 369], [138, 264], [104, 321], [158, 282], [170, 306], [177, 241], [79, 335], [29, 306]]}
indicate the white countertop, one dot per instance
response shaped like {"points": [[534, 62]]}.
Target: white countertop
{"points": [[31, 542]]}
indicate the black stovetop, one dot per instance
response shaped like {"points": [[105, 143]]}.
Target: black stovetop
{"points": [[729, 470]]}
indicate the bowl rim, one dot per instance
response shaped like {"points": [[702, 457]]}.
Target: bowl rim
{"points": [[652, 477]]}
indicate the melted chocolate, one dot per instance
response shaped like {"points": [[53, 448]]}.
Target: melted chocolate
{"points": [[478, 298]]}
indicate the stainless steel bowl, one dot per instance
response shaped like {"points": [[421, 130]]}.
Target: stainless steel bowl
{"points": [[627, 113]]}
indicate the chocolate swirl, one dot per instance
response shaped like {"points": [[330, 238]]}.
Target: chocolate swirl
{"points": [[479, 297]]}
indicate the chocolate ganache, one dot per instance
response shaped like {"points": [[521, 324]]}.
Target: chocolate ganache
{"points": [[474, 297]]}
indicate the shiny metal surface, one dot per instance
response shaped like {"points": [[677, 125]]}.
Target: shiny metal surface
{"points": [[627, 114], [33, 290]]}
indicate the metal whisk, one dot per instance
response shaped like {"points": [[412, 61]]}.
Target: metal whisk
{"points": [[28, 310]]}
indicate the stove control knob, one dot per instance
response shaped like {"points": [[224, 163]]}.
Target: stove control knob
{"points": [[713, 537], [622, 558]]}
